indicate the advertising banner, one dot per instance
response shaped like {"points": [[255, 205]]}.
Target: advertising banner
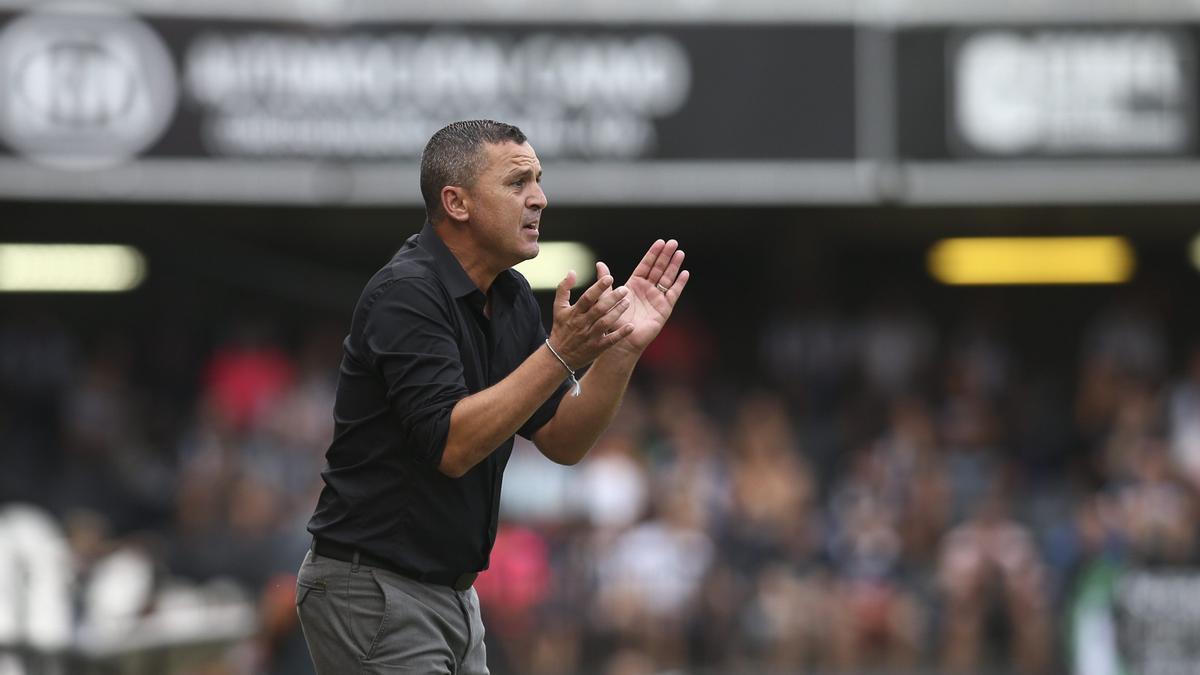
{"points": [[103, 89], [1047, 92], [1047, 113]]}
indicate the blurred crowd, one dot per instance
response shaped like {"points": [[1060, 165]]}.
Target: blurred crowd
{"points": [[883, 494]]}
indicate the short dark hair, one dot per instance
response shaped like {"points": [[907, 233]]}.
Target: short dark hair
{"points": [[454, 156]]}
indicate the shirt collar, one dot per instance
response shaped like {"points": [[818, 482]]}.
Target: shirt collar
{"points": [[451, 271], [447, 266]]}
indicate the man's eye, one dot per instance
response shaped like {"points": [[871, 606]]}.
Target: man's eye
{"points": [[519, 183]]}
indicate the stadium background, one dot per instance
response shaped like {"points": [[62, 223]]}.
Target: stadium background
{"points": [[831, 462]]}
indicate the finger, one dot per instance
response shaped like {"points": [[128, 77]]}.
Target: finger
{"points": [[676, 289], [661, 262], [647, 263], [672, 271], [607, 302], [601, 272], [593, 293], [607, 321], [562, 294], [616, 335]]}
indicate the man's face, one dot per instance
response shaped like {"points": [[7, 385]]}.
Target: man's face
{"points": [[507, 202]]}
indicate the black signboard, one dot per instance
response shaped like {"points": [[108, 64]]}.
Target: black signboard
{"points": [[102, 89], [108, 104], [1046, 92]]}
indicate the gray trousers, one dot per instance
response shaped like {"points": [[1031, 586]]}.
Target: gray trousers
{"points": [[360, 619]]}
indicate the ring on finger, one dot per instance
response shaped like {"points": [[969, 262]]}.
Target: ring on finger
{"points": [[660, 287]]}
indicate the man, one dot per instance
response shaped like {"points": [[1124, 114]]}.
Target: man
{"points": [[446, 360]]}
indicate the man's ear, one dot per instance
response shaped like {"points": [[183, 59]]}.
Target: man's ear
{"points": [[456, 203]]}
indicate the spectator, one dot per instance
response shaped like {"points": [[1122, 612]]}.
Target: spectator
{"points": [[991, 561], [808, 527], [650, 579], [878, 619]]}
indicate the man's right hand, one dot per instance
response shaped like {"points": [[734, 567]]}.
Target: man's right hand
{"points": [[584, 330]]}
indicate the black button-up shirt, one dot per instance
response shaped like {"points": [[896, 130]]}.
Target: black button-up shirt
{"points": [[419, 342]]}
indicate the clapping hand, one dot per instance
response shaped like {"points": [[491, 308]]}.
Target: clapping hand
{"points": [[626, 317], [653, 289]]}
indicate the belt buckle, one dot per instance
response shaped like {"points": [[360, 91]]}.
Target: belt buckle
{"points": [[464, 581]]}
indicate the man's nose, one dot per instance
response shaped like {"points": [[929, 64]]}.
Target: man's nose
{"points": [[538, 199]]}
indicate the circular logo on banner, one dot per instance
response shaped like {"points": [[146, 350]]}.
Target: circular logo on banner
{"points": [[83, 87]]}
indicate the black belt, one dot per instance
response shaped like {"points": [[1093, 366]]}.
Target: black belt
{"points": [[332, 549]]}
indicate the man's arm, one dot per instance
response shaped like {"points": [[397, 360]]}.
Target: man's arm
{"points": [[479, 423], [580, 420]]}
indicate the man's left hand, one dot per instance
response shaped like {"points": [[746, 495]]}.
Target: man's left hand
{"points": [[649, 304]]}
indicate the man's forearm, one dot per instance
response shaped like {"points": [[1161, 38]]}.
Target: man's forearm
{"points": [[580, 420], [482, 421]]}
